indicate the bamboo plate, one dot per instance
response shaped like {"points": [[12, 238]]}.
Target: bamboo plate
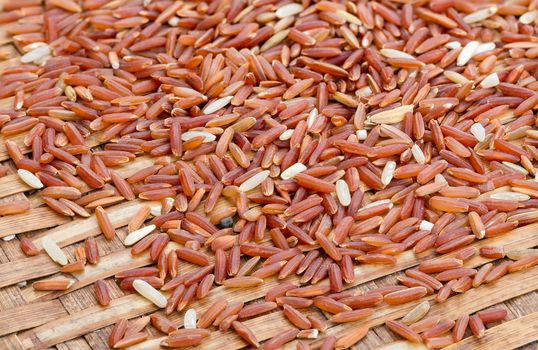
{"points": [[73, 320]]}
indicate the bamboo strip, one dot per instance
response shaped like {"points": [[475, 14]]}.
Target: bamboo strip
{"points": [[18, 139], [130, 168], [521, 237], [108, 266], [35, 219], [80, 229], [485, 242], [358, 282], [39, 266], [11, 342], [12, 270], [30, 315], [54, 332], [403, 345], [90, 280], [91, 141], [273, 324], [26, 269], [470, 301], [473, 300], [507, 335], [11, 183], [248, 294], [84, 321]]}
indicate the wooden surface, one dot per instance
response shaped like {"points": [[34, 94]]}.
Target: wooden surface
{"points": [[74, 321]]}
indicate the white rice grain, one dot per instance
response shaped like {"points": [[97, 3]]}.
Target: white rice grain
{"points": [[480, 15], [254, 181], [137, 235], [53, 250], [29, 179], [208, 137], [174, 21], [391, 53], [392, 116], [467, 53], [418, 154], [425, 226], [36, 54], [484, 47], [283, 23], [189, 320], [362, 134], [32, 46], [455, 77], [312, 116], [349, 17], [478, 131], [529, 17], [491, 80], [308, 334], [289, 10], [342, 193], [376, 203], [388, 172], [363, 91], [452, 45], [156, 209], [510, 196], [147, 291], [217, 105], [516, 167], [292, 171], [286, 135], [274, 40], [439, 178], [416, 314]]}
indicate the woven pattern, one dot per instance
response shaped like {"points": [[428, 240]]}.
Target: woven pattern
{"points": [[32, 319]]}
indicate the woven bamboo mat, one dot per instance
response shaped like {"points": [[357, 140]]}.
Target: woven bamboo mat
{"points": [[73, 320]]}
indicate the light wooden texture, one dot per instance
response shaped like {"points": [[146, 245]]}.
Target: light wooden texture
{"points": [[508, 335], [403, 345], [26, 268], [494, 295], [471, 301], [34, 219], [90, 319], [12, 184], [80, 229], [30, 315]]}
